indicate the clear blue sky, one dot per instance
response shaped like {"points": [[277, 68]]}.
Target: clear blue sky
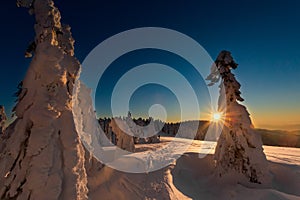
{"points": [[263, 37]]}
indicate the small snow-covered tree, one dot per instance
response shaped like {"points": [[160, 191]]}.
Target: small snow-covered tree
{"points": [[122, 129], [124, 141], [239, 148]]}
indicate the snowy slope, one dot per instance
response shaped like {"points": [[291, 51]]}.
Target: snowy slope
{"points": [[191, 177]]}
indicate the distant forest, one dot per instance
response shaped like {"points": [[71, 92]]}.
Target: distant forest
{"points": [[269, 137]]}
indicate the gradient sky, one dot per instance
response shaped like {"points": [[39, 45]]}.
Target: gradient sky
{"points": [[263, 37]]}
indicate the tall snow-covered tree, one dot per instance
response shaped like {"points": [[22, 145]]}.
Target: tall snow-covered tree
{"points": [[239, 148], [41, 156]]}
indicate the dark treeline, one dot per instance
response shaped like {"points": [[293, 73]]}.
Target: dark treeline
{"points": [[269, 137], [168, 129]]}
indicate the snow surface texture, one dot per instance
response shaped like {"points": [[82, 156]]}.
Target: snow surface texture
{"points": [[3, 119], [191, 177], [239, 147], [41, 156]]}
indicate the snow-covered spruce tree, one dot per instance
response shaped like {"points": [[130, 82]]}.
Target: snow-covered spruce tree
{"points": [[42, 156], [3, 119], [122, 129], [239, 148]]}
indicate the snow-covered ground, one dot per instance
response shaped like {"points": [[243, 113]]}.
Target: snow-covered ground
{"points": [[192, 177], [283, 155]]}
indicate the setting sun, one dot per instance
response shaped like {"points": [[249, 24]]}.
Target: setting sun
{"points": [[216, 116]]}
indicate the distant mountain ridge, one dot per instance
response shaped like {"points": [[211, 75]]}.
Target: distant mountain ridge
{"points": [[280, 137]]}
